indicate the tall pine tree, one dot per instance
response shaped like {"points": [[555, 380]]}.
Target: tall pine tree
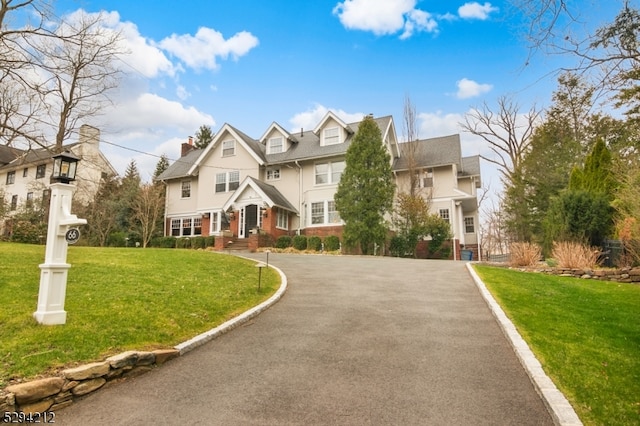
{"points": [[366, 189]]}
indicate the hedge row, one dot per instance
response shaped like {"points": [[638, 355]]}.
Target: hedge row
{"points": [[302, 242]]}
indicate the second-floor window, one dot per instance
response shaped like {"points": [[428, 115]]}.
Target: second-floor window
{"points": [[186, 188], [273, 173], [228, 181], [11, 177], [29, 199], [329, 173], [41, 170], [25, 172]]}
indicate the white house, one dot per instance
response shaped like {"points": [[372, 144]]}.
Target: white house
{"points": [[284, 182]]}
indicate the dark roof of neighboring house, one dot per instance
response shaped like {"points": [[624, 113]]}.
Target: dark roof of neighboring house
{"points": [[433, 152], [274, 195], [8, 154], [31, 156]]}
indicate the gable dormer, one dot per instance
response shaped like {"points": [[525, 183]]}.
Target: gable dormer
{"points": [[276, 139], [331, 130]]}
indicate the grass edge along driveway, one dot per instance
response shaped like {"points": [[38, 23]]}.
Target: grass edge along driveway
{"points": [[585, 333], [119, 299]]}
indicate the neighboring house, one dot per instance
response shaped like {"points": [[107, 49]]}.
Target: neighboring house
{"points": [[284, 182], [25, 174]]}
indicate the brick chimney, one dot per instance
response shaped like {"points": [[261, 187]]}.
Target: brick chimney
{"points": [[187, 147]]}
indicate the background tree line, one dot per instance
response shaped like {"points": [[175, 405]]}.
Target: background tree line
{"points": [[570, 172]]}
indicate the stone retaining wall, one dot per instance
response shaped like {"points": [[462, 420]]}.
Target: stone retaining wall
{"points": [[53, 393], [623, 275]]}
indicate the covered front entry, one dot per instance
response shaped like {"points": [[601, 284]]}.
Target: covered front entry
{"points": [[249, 219]]}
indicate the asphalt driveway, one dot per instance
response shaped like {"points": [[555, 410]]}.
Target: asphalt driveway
{"points": [[354, 341]]}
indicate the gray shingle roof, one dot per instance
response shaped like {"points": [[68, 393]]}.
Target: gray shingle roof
{"points": [[431, 152], [274, 195], [180, 167], [31, 156], [8, 154], [471, 165]]}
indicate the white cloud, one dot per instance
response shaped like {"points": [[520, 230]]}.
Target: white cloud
{"points": [[474, 10], [384, 17], [469, 88], [203, 49], [309, 119], [418, 20], [182, 92]]}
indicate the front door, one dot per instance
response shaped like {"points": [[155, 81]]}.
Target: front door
{"points": [[248, 220]]}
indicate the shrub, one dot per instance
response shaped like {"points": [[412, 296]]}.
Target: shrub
{"points": [[314, 243], [283, 241], [575, 255], [163, 242], [524, 254], [397, 246], [209, 241], [183, 243], [198, 243], [299, 242], [331, 243]]}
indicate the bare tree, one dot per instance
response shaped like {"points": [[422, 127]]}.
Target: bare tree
{"points": [[148, 207], [409, 147], [507, 131], [52, 79]]}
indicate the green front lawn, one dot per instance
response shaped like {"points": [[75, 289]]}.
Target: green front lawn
{"points": [[119, 299], [586, 334]]}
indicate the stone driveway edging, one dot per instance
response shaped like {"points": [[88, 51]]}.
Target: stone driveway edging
{"points": [[207, 336], [562, 412]]}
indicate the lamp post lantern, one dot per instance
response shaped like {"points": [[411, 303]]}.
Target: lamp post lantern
{"points": [[61, 232]]}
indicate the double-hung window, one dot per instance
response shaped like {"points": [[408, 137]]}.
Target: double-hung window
{"points": [[227, 181], [11, 177], [276, 145], [469, 227], [41, 170], [324, 212], [332, 136], [186, 189], [14, 202], [228, 148], [444, 214], [329, 173], [282, 219]]}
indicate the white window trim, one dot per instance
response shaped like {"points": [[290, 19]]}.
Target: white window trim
{"points": [[182, 186], [228, 141], [473, 224], [180, 221], [441, 213], [227, 182], [338, 137], [329, 172], [271, 145], [274, 170], [325, 214], [280, 214]]}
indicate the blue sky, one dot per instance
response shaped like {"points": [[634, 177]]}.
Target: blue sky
{"points": [[252, 62]]}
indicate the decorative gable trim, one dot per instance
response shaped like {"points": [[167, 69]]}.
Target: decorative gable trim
{"points": [[328, 116], [277, 127], [222, 135]]}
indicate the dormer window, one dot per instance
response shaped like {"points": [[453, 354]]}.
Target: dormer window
{"points": [[331, 136], [276, 145]]}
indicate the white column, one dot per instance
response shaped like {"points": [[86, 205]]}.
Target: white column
{"points": [[53, 275]]}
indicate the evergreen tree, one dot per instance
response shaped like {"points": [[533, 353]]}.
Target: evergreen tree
{"points": [[129, 189], [204, 136], [161, 166], [366, 189]]}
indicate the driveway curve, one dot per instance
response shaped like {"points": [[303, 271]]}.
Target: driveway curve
{"points": [[354, 341]]}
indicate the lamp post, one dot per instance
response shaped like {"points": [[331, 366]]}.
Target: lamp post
{"points": [[61, 232]]}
